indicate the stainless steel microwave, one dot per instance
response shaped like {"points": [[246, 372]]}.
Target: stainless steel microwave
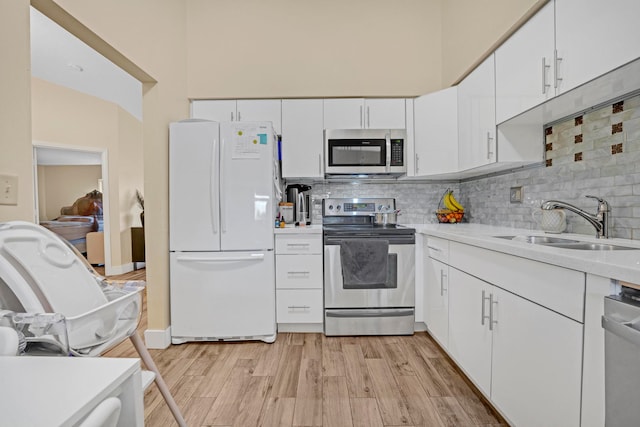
{"points": [[365, 152]]}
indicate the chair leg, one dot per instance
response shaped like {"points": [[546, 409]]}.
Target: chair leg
{"points": [[162, 386]]}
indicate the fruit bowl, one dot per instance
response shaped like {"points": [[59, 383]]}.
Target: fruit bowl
{"points": [[446, 216], [453, 212]]}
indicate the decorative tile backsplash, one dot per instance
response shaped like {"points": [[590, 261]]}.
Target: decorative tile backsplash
{"points": [[597, 153]]}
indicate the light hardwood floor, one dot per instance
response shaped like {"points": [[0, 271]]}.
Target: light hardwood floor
{"points": [[313, 380]]}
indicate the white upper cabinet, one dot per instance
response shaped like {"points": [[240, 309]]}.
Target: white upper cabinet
{"points": [[435, 123], [247, 110], [359, 113], [302, 138], [594, 37], [525, 66], [477, 117]]}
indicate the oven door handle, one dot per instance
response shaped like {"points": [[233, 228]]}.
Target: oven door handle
{"points": [[369, 313]]}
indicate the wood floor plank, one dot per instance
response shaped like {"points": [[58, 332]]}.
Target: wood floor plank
{"points": [[336, 407], [312, 347], [308, 410], [277, 412], [195, 410], [219, 372], [392, 407], [478, 410], [395, 354], [286, 380], [253, 401], [431, 380], [421, 409], [358, 377], [332, 358], [451, 377], [428, 347], [365, 412], [370, 347], [226, 407], [268, 359], [451, 412]]}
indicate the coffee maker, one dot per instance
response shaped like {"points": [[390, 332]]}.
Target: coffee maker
{"points": [[300, 196]]}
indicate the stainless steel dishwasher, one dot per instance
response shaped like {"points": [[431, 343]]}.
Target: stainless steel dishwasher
{"points": [[621, 322]]}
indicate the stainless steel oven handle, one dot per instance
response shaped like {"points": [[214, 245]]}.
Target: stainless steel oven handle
{"points": [[352, 313]]}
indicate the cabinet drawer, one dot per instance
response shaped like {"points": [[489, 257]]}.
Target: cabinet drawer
{"points": [[559, 289], [437, 248], [299, 306], [298, 244], [298, 271]]}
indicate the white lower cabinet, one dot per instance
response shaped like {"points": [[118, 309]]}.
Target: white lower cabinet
{"points": [[299, 305], [525, 358]]}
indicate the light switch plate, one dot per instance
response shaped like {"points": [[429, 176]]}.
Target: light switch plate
{"points": [[8, 190], [515, 195]]}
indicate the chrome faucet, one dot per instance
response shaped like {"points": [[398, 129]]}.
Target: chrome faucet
{"points": [[600, 220]]}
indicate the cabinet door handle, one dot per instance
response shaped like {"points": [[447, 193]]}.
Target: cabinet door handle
{"points": [[232, 116], [545, 85], [417, 163], [484, 298], [298, 307], [361, 118], [489, 152], [556, 78], [291, 273], [368, 117], [492, 302], [433, 248], [239, 119], [304, 245], [320, 164], [442, 277]]}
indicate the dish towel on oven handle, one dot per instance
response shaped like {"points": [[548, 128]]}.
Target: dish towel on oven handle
{"points": [[364, 262]]}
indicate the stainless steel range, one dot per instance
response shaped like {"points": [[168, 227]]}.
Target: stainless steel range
{"points": [[369, 270]]}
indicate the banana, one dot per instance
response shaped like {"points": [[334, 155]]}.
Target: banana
{"points": [[455, 203], [447, 202]]}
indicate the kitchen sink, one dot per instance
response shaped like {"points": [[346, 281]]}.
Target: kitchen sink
{"points": [[540, 240], [558, 242]]}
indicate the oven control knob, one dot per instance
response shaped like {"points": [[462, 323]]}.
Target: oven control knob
{"points": [[338, 207], [330, 207]]}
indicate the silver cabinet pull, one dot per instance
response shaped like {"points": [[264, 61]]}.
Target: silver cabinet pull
{"points": [[298, 307], [545, 85], [361, 118], [492, 302], [556, 78], [433, 248], [484, 298], [368, 117], [298, 244], [320, 164], [298, 273], [417, 168], [489, 152], [442, 277], [239, 119], [232, 116]]}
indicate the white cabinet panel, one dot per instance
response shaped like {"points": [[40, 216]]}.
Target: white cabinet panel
{"points": [[477, 117], [230, 110], [470, 338], [359, 113], [298, 271], [525, 66], [436, 300], [298, 244], [537, 360], [593, 37], [435, 122], [302, 138], [299, 306]]}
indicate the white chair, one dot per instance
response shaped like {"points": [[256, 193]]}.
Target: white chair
{"points": [[45, 275]]}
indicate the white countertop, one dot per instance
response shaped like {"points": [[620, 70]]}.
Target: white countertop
{"points": [[309, 229], [619, 264]]}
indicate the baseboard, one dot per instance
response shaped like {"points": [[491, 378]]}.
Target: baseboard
{"points": [[158, 338], [420, 327], [300, 327], [115, 270]]}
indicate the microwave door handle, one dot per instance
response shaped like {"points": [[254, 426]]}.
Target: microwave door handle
{"points": [[388, 156]]}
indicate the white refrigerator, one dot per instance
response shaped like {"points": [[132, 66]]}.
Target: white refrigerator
{"points": [[222, 180]]}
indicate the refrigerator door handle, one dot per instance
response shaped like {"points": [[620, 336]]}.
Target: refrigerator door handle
{"points": [[213, 205], [222, 202], [252, 257]]}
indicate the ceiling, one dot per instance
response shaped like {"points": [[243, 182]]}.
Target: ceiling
{"points": [[61, 58]]}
